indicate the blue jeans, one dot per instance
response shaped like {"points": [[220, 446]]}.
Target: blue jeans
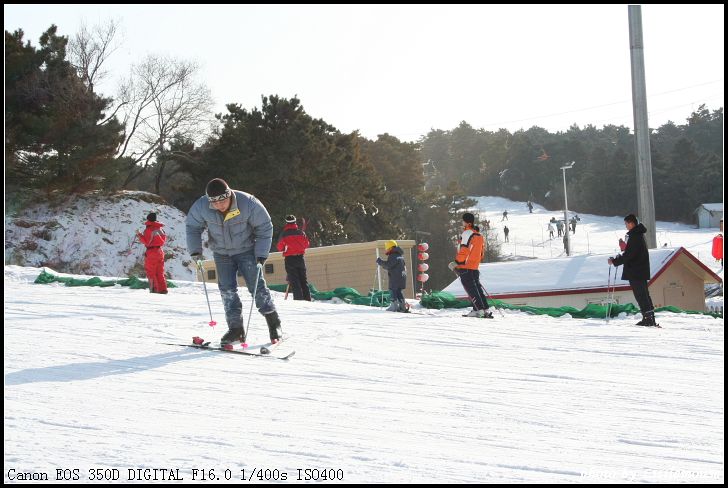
{"points": [[228, 268]]}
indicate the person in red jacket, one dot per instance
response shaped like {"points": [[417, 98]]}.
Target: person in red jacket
{"points": [[293, 243], [154, 238]]}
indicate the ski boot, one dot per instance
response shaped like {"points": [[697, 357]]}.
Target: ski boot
{"points": [[231, 336], [274, 327]]}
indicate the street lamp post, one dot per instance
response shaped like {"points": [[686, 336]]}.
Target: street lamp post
{"points": [[566, 211]]}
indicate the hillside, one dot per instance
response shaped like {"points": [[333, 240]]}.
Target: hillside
{"points": [[95, 235]]}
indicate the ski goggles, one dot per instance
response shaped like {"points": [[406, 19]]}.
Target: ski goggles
{"points": [[228, 193]]}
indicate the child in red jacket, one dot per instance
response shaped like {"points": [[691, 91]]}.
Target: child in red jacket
{"points": [[293, 243], [154, 238]]}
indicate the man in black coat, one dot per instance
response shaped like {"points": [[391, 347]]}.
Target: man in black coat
{"points": [[636, 260]]}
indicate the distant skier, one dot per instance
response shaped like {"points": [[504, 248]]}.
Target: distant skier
{"points": [[560, 227], [552, 229], [471, 249], [530, 206], [153, 239], [573, 225], [397, 273], [505, 215], [505, 232], [636, 260]]}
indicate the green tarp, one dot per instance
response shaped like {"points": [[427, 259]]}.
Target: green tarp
{"points": [[132, 282], [440, 299], [349, 295]]}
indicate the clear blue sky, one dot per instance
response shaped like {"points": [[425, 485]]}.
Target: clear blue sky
{"points": [[407, 69]]}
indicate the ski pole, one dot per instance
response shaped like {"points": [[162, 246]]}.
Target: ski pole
{"points": [[255, 292], [288, 287], [202, 272], [371, 300], [486, 292], [493, 301], [609, 300]]}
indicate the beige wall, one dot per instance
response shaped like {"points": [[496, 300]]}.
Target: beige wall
{"points": [[330, 267], [577, 300], [680, 286]]}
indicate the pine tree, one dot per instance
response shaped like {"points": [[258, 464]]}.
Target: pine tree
{"points": [[54, 138]]}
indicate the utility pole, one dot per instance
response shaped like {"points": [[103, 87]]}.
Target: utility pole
{"points": [[645, 196], [566, 211]]}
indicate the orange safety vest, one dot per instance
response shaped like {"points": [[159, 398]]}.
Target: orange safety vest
{"points": [[471, 249]]}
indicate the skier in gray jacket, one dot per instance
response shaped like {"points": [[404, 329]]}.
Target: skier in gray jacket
{"points": [[240, 233]]}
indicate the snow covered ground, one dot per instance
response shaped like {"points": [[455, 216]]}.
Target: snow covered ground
{"points": [[94, 234], [375, 396], [595, 234]]}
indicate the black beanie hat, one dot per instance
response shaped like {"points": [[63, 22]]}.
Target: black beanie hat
{"points": [[216, 187], [290, 219], [468, 217], [152, 217]]}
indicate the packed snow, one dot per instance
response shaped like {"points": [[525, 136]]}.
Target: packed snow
{"points": [[94, 234], [595, 234], [370, 396]]}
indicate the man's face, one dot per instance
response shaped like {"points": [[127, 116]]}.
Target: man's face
{"points": [[222, 205], [629, 225]]}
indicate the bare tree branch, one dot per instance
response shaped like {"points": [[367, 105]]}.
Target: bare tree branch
{"points": [[161, 99], [90, 48]]}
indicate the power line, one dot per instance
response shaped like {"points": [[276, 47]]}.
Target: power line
{"points": [[603, 105], [500, 124]]}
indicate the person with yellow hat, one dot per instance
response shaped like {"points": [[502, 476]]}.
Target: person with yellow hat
{"points": [[397, 272]]}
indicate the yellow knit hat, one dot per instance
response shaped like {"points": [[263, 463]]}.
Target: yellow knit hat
{"points": [[390, 244]]}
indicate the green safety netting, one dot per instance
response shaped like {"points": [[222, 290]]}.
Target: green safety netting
{"points": [[437, 299], [441, 299], [347, 294], [132, 282]]}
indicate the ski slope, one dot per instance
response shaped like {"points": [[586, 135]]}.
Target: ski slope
{"points": [[595, 234], [376, 397]]}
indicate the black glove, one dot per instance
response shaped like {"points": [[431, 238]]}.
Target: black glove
{"points": [[196, 256], [261, 261]]}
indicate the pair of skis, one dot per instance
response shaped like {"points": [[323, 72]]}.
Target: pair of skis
{"points": [[268, 350]]}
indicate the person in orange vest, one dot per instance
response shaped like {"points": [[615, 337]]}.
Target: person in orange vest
{"points": [[154, 238], [471, 249]]}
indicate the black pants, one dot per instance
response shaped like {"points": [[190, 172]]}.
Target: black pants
{"points": [[296, 271], [642, 295], [470, 278], [396, 294]]}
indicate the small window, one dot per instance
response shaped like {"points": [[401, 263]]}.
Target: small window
{"points": [[268, 268], [211, 276]]}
